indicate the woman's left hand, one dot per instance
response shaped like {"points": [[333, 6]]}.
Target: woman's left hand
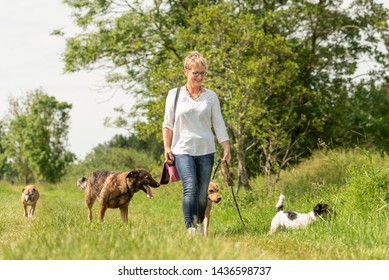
{"points": [[227, 152]]}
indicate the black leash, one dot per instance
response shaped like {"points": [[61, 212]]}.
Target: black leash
{"points": [[217, 166], [232, 189]]}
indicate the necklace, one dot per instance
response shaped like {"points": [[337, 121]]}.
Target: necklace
{"points": [[194, 97]]}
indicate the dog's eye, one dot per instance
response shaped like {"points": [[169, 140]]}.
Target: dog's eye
{"points": [[211, 191]]}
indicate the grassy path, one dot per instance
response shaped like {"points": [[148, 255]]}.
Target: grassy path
{"points": [[59, 230]]}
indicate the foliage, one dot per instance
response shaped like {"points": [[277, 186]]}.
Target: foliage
{"points": [[367, 191], [149, 146], [3, 158], [362, 120], [35, 137], [286, 71], [259, 100], [120, 153]]}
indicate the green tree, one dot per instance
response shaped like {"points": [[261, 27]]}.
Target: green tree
{"points": [[284, 69], [36, 137], [120, 153], [255, 77], [3, 162], [331, 40], [363, 119]]}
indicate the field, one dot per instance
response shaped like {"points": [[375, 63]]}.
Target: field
{"points": [[355, 184]]}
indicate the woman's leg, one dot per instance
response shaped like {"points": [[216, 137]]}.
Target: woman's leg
{"points": [[204, 165], [195, 174], [186, 168]]}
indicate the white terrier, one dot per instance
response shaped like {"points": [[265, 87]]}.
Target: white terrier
{"points": [[290, 219]]}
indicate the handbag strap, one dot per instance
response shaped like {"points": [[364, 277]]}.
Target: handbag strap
{"points": [[175, 104]]}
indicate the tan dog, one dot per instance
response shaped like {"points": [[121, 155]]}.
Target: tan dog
{"points": [[30, 196], [214, 196], [115, 190]]}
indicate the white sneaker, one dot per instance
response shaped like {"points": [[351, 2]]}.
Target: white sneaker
{"points": [[191, 231], [200, 229]]}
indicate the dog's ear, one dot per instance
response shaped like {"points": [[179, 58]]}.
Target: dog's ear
{"points": [[23, 189], [133, 174], [318, 208]]}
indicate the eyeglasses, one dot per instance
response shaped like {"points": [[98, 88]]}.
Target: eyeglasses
{"points": [[196, 74]]}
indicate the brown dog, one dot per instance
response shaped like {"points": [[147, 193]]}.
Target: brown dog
{"points": [[115, 190], [213, 197], [30, 196]]}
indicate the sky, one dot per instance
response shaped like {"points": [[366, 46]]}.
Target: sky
{"points": [[30, 59]]}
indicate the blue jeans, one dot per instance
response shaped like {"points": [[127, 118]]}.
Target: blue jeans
{"points": [[195, 174]]}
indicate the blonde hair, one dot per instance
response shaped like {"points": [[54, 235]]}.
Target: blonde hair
{"points": [[194, 58]]}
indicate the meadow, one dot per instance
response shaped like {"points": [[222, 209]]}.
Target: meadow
{"points": [[355, 183]]}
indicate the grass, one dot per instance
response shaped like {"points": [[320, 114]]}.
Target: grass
{"points": [[355, 184]]}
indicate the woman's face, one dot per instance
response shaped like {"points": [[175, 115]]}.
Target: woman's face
{"points": [[195, 74]]}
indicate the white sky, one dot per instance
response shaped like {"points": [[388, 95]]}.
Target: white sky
{"points": [[30, 58]]}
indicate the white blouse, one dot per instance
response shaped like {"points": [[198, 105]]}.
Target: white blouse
{"points": [[194, 120]]}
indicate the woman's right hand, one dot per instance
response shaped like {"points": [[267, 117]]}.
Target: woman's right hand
{"points": [[167, 138], [169, 158]]}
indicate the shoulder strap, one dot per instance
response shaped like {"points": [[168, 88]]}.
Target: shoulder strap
{"points": [[175, 103]]}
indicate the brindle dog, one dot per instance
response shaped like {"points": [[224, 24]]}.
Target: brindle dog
{"points": [[115, 190]]}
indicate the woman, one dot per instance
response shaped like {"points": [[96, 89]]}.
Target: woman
{"points": [[189, 140]]}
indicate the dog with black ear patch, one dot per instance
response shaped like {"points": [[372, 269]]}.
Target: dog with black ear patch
{"points": [[30, 196], [290, 219], [115, 190]]}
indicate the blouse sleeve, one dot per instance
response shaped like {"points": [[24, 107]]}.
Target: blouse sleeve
{"points": [[168, 120], [218, 121]]}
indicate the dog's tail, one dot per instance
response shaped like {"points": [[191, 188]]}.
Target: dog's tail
{"points": [[81, 183], [280, 203]]}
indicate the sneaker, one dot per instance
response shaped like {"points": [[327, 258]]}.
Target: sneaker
{"points": [[191, 231], [200, 229]]}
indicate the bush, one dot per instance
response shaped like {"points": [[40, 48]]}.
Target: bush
{"points": [[112, 158], [367, 189]]}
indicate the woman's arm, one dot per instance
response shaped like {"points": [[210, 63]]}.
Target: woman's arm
{"points": [[227, 151], [167, 134]]}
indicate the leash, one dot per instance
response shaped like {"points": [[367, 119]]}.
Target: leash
{"points": [[232, 189], [217, 166]]}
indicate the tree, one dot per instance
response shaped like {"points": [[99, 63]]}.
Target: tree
{"points": [[363, 119], [332, 41], [255, 77], [284, 69], [36, 136], [3, 158]]}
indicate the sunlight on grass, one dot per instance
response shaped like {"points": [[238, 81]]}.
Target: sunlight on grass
{"points": [[359, 195]]}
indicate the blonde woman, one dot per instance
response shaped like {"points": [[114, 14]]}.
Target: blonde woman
{"points": [[188, 138]]}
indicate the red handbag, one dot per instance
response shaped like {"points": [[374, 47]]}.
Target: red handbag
{"points": [[169, 174]]}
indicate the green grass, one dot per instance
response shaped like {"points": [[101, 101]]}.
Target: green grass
{"points": [[355, 185]]}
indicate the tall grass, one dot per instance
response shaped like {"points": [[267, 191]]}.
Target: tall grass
{"points": [[354, 183]]}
